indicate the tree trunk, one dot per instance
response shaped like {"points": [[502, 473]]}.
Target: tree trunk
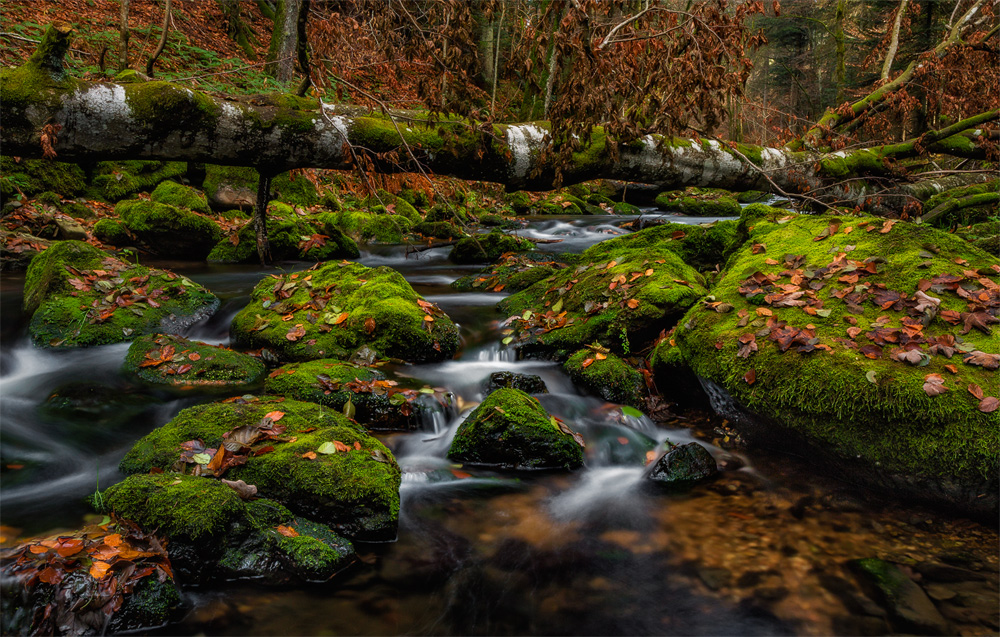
{"points": [[163, 121], [894, 39], [284, 41], [163, 39], [260, 217], [124, 34], [302, 49]]}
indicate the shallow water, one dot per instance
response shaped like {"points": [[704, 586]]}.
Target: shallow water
{"points": [[761, 550]]}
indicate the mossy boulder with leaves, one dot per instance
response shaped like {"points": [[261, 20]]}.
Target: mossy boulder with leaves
{"points": [[608, 376], [29, 177], [337, 308], [621, 293], [80, 296], [700, 202], [363, 393], [514, 273], [178, 195], [511, 430], [171, 360], [217, 534], [871, 340], [309, 458], [487, 248], [377, 225], [291, 234], [169, 231]]}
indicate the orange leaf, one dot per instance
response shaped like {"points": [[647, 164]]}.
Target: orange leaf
{"points": [[599, 356], [69, 546], [429, 318], [50, 576], [461, 475], [340, 318], [194, 356], [750, 377], [369, 325], [287, 531], [650, 456], [951, 368], [309, 455], [633, 303], [649, 272], [275, 416], [99, 570], [340, 446], [763, 311], [587, 363], [357, 445]]}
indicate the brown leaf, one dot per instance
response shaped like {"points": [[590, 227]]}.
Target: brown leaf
{"points": [[244, 490], [976, 391], [633, 303], [296, 333], [369, 325], [934, 385], [194, 356], [309, 455], [275, 416], [750, 377], [989, 404]]}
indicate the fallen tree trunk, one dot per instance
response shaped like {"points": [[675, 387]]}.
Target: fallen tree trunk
{"points": [[45, 111]]}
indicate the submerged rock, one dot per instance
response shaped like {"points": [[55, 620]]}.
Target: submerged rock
{"points": [[165, 359], [683, 466], [339, 307], [872, 341], [608, 376], [352, 486], [510, 429], [622, 293], [528, 383], [910, 610], [81, 296], [376, 402], [215, 535]]}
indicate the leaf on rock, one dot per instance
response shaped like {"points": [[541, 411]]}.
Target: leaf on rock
{"points": [[750, 377], [287, 531], [587, 362], [244, 490], [976, 391], [934, 385], [296, 333], [309, 455], [989, 404], [327, 448]]}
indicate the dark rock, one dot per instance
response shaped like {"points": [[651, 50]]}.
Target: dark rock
{"points": [[528, 383], [909, 607], [683, 466]]}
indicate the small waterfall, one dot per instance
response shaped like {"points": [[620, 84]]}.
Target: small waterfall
{"points": [[497, 353]]}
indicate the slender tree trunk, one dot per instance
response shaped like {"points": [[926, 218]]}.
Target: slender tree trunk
{"points": [[124, 33], [890, 55], [486, 44], [496, 60], [260, 217], [302, 49], [163, 39], [840, 70], [282, 53]]}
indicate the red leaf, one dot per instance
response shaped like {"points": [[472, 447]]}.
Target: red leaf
{"points": [[587, 363], [194, 356], [934, 385], [750, 377]]}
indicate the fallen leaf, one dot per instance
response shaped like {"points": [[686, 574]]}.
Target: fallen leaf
{"points": [[587, 363], [934, 385], [287, 531], [633, 303], [369, 325], [296, 333], [244, 490], [309, 455], [194, 356], [976, 391], [989, 404], [275, 416], [750, 377]]}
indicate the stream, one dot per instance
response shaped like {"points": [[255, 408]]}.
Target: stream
{"points": [[763, 549]]}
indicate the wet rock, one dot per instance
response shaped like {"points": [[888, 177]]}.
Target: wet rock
{"points": [[618, 445], [714, 578], [177, 195], [514, 273], [700, 202], [787, 350], [290, 236], [683, 466], [81, 296], [165, 359], [70, 229], [339, 307], [353, 487], [621, 293], [909, 607], [487, 248], [378, 403], [607, 376], [528, 383], [214, 535], [510, 429], [167, 230], [18, 248]]}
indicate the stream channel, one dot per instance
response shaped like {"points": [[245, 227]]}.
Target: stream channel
{"points": [[763, 549]]}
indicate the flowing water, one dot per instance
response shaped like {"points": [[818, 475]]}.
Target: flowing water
{"points": [[761, 550]]}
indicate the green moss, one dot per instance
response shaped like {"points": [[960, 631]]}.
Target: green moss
{"points": [[398, 206], [888, 421], [853, 164], [113, 232], [207, 365], [118, 180], [965, 204], [512, 430], [64, 316], [179, 196], [486, 248], [168, 230], [624, 208], [31, 176], [151, 102], [287, 234], [449, 214], [439, 230], [750, 196], [516, 272], [700, 202], [597, 312], [355, 491], [380, 294], [520, 201], [610, 378]]}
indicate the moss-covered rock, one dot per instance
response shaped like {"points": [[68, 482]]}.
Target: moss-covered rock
{"points": [[32, 176], [339, 307], [228, 187], [355, 491], [118, 180], [439, 230], [520, 201], [705, 247], [113, 232], [510, 429], [377, 403], [751, 196], [216, 536], [167, 230], [444, 212], [177, 195], [165, 359], [608, 376], [81, 296], [487, 248], [683, 466], [623, 293], [377, 225], [625, 208], [528, 383], [17, 249], [807, 332], [515, 272], [974, 203], [394, 205], [700, 202], [984, 235]]}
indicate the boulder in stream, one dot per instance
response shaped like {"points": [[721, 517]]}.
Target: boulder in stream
{"points": [[528, 383], [338, 307], [167, 230], [700, 202], [487, 248], [608, 376], [910, 610], [309, 458], [511, 430], [216, 535], [622, 293], [81, 296], [683, 466], [166, 359], [178, 195], [870, 341]]}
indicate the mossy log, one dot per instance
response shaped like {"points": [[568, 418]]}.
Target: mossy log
{"points": [[275, 133]]}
